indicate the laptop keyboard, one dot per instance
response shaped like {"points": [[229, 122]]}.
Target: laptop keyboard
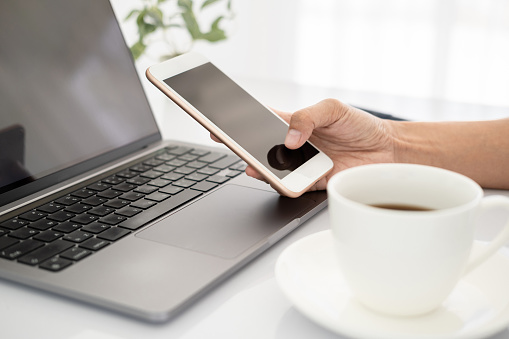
{"points": [[59, 233]]}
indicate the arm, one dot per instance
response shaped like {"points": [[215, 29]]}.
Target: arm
{"points": [[352, 137], [477, 149]]}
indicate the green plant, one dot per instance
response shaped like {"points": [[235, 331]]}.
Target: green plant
{"points": [[151, 19]]}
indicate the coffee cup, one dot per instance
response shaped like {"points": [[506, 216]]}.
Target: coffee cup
{"points": [[403, 233]]}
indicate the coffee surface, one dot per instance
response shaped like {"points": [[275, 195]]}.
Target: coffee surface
{"points": [[402, 207]]}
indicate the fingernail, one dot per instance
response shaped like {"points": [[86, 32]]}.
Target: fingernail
{"points": [[292, 138]]}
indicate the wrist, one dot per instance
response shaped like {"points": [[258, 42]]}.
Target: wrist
{"points": [[412, 144]]}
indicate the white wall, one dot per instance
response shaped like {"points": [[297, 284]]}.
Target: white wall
{"points": [[445, 49]]}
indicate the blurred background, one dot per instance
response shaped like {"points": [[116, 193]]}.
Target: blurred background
{"points": [[422, 54]]}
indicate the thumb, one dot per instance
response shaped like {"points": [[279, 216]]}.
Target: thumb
{"points": [[304, 121]]}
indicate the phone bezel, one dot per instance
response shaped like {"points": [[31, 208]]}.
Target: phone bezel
{"points": [[293, 184]]}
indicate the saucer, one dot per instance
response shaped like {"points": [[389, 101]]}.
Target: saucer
{"points": [[309, 276]]}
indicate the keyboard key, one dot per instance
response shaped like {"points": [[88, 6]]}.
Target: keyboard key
{"points": [[78, 208], [184, 170], [14, 224], [98, 186], [240, 166], [184, 183], [208, 171], [94, 244], [179, 150], [188, 157], [43, 224], [176, 162], [6, 242], [225, 162], [164, 168], [127, 173], [109, 194], [124, 187], [33, 215], [75, 253], [129, 211], [50, 208], [23, 233], [112, 219], [84, 218], [196, 176], [172, 176], [61, 216], [117, 203], [67, 227], [67, 200], [151, 174], [212, 157], [200, 152], [140, 168], [78, 236], [113, 234], [56, 264], [132, 196], [38, 256], [171, 190], [196, 164], [232, 173], [138, 181], [165, 157], [83, 193], [146, 189], [160, 209], [48, 236], [94, 201], [157, 196], [143, 204], [20, 249], [159, 182], [204, 186], [113, 180], [101, 211], [218, 179], [153, 162], [95, 227]]}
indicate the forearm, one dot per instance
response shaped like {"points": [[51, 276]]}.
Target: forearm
{"points": [[477, 149]]}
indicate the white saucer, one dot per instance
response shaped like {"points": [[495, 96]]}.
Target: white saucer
{"points": [[307, 273]]}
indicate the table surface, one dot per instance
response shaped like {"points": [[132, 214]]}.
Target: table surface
{"points": [[249, 304]]}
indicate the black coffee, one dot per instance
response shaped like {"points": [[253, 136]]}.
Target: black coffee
{"points": [[402, 207]]}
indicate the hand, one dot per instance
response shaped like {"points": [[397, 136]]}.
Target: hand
{"points": [[349, 136]]}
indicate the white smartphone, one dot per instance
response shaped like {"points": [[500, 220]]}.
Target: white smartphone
{"points": [[250, 129]]}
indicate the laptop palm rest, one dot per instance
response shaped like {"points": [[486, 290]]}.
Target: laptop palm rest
{"points": [[228, 221]]}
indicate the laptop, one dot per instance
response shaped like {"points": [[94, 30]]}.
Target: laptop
{"points": [[94, 205]]}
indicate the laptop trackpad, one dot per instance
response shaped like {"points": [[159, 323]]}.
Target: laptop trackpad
{"points": [[228, 221]]}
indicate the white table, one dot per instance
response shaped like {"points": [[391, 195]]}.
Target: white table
{"points": [[249, 304]]}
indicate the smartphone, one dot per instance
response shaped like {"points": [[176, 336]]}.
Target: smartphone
{"points": [[250, 129]]}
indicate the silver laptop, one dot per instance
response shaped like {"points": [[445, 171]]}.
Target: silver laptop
{"points": [[93, 204]]}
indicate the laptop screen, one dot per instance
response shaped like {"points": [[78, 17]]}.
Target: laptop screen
{"points": [[70, 97]]}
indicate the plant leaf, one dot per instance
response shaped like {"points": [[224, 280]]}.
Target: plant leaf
{"points": [[190, 19], [134, 11], [208, 2], [137, 49], [144, 28], [215, 33]]}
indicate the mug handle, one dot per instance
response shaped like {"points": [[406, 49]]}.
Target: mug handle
{"points": [[500, 240]]}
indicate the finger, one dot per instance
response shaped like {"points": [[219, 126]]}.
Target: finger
{"points": [[213, 137], [304, 121], [250, 171], [286, 116]]}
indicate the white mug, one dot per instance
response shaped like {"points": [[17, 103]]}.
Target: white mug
{"points": [[406, 262]]}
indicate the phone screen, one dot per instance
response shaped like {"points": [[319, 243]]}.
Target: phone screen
{"points": [[241, 117]]}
